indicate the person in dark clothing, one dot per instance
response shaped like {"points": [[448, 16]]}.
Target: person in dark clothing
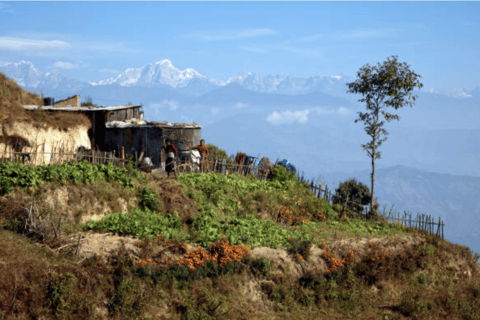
{"points": [[172, 153]]}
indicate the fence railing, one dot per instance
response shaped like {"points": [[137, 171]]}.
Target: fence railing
{"points": [[222, 166], [36, 155], [39, 158], [422, 222]]}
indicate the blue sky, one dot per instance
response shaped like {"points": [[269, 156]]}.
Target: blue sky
{"points": [[91, 41]]}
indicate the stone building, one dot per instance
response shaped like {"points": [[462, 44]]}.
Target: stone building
{"points": [[149, 137], [115, 127]]}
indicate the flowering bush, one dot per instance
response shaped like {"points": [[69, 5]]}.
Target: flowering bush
{"points": [[293, 216], [334, 263], [377, 256], [220, 252]]}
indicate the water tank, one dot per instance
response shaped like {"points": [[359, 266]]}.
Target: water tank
{"points": [[48, 101]]}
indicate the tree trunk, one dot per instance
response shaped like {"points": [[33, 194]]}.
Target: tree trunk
{"points": [[373, 173], [373, 185]]}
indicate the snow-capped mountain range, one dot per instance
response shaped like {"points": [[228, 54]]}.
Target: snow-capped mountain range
{"points": [[190, 82], [27, 76], [159, 73]]}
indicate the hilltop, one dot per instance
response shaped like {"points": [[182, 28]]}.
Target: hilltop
{"points": [[12, 100], [213, 246]]}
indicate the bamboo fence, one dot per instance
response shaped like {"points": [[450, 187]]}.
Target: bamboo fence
{"points": [[422, 221], [222, 166], [60, 154]]}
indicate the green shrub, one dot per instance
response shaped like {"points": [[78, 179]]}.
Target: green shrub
{"points": [[65, 299], [260, 266], [356, 192], [300, 249], [148, 199], [216, 153], [281, 174], [422, 279], [130, 297]]}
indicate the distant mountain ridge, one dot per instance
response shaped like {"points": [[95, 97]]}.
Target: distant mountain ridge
{"points": [[190, 82]]}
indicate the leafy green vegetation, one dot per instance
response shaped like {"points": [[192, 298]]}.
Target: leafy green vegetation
{"points": [[14, 174], [140, 224], [148, 199], [243, 230]]}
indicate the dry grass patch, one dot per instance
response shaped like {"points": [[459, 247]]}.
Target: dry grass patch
{"points": [[13, 98]]}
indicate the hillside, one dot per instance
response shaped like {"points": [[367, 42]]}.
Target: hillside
{"points": [[13, 97], [209, 246]]}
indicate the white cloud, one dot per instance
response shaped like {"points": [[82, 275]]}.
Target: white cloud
{"points": [[110, 71], [19, 44], [343, 111], [65, 65], [216, 110], [170, 104], [231, 34], [241, 105], [288, 117]]}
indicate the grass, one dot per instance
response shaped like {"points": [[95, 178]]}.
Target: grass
{"points": [[200, 257]]}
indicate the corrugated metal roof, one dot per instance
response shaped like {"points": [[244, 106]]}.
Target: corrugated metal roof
{"points": [[144, 123], [174, 125], [119, 124], [73, 108]]}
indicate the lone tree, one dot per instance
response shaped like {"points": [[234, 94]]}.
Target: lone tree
{"points": [[389, 84]]}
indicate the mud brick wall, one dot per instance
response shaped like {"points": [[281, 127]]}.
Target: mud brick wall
{"points": [[74, 101]]}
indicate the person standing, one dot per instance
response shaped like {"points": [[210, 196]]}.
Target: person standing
{"points": [[172, 153], [203, 150]]}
